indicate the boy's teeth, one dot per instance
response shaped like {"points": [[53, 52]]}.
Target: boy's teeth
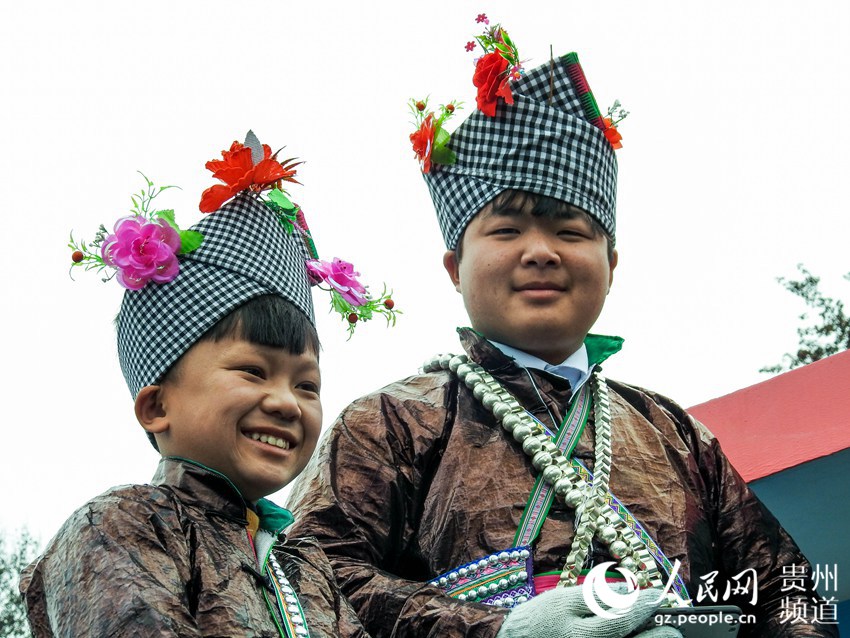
{"points": [[271, 440]]}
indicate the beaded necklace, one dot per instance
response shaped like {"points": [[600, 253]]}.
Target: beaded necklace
{"points": [[597, 512]]}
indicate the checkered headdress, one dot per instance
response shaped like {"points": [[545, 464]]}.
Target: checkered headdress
{"points": [[180, 283], [245, 253], [549, 141]]}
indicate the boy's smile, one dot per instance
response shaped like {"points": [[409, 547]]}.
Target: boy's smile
{"points": [[536, 283], [251, 412]]}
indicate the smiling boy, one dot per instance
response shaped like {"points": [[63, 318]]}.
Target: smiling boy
{"points": [[217, 343], [471, 499]]}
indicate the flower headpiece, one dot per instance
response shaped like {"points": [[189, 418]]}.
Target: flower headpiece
{"points": [[495, 71], [538, 131], [146, 246]]}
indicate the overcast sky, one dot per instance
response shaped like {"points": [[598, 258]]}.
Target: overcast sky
{"points": [[731, 173]]}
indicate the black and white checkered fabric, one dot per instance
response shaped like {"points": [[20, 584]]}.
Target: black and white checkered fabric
{"points": [[546, 149], [245, 253]]}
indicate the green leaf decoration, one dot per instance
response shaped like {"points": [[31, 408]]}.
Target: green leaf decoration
{"points": [[507, 39], [168, 216], [189, 240], [277, 197], [443, 155], [503, 48], [441, 137]]}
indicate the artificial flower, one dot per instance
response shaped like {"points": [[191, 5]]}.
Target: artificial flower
{"points": [[238, 172], [340, 276], [142, 251], [612, 134], [470, 46], [423, 142], [482, 17], [492, 82]]}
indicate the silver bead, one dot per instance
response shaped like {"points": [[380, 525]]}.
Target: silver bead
{"points": [[618, 549], [462, 598], [481, 591], [508, 601], [515, 555], [522, 432], [521, 599], [444, 360], [552, 473], [642, 579], [456, 361], [493, 559], [462, 572], [290, 599], [503, 583], [501, 410], [492, 589], [562, 486], [574, 497], [532, 445], [512, 579], [542, 459], [296, 619], [489, 400], [510, 422], [628, 562], [443, 581], [504, 557], [472, 379], [479, 390], [523, 554], [453, 577], [523, 575], [607, 534], [482, 564]]}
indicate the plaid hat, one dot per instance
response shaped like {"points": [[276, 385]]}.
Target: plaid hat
{"points": [[548, 142], [245, 253]]}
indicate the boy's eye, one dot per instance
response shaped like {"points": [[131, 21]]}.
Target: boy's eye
{"points": [[309, 386], [254, 371]]}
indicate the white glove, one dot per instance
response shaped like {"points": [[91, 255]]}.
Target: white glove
{"points": [[562, 613]]}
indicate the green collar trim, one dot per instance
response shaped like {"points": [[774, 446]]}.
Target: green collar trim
{"points": [[273, 517], [600, 347]]}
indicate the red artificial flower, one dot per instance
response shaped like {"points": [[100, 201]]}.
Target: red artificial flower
{"points": [[612, 134], [470, 45], [482, 17], [492, 82], [238, 171], [423, 142]]}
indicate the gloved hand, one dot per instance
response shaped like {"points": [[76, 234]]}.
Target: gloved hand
{"points": [[562, 613]]}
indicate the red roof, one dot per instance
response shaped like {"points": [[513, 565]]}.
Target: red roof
{"points": [[792, 418]]}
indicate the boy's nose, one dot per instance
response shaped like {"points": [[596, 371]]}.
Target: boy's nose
{"points": [[281, 401], [539, 250]]}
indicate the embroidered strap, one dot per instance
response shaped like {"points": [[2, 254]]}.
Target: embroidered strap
{"points": [[294, 623], [543, 495]]}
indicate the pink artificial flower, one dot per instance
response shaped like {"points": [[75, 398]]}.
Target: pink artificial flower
{"points": [[142, 251], [482, 17], [470, 46], [340, 276]]}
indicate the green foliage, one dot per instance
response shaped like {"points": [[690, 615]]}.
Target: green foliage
{"points": [[13, 558], [828, 336]]}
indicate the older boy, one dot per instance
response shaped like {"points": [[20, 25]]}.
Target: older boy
{"points": [[436, 494], [220, 351]]}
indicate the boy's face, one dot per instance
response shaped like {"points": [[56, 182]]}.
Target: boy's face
{"points": [[225, 395], [534, 283]]}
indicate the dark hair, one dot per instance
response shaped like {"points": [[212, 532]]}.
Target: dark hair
{"points": [[508, 202], [269, 320]]}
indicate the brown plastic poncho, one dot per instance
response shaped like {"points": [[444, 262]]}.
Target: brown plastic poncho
{"points": [[417, 479], [169, 559]]}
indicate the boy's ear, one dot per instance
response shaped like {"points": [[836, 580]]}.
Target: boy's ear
{"points": [[612, 264], [150, 411], [451, 265]]}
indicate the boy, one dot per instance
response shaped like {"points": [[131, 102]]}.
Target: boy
{"points": [[219, 349], [449, 501]]}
